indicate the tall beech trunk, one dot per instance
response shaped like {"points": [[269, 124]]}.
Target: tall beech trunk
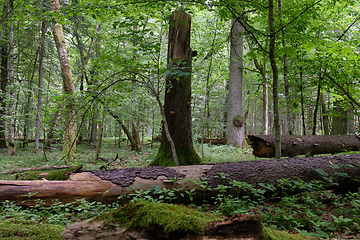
{"points": [[289, 126], [107, 185], [4, 51], [275, 81], [235, 114], [177, 105], [69, 145], [40, 85], [11, 101]]}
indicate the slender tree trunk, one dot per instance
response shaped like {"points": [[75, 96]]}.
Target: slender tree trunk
{"points": [[235, 114], [100, 136], [275, 81], [4, 45], [29, 96], [11, 106], [266, 106], [262, 69], [123, 126], [176, 113], [316, 106], [324, 114], [40, 85], [69, 89], [302, 102], [289, 126]]}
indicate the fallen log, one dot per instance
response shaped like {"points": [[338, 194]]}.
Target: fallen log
{"points": [[108, 185], [214, 141], [293, 145]]}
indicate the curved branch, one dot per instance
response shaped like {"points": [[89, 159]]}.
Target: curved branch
{"points": [[342, 89]]}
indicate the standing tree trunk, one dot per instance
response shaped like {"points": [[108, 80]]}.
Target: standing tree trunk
{"points": [[324, 114], [4, 72], [11, 106], [289, 120], [100, 137], [177, 106], [69, 145], [275, 81], [41, 76], [235, 117], [316, 106], [302, 101]]}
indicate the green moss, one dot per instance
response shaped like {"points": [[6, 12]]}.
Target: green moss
{"points": [[21, 229], [61, 174], [186, 156], [168, 217], [271, 234], [29, 175]]}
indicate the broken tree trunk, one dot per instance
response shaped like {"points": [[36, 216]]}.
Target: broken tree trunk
{"points": [[108, 185], [292, 145]]}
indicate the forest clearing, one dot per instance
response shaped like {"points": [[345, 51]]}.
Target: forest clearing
{"points": [[204, 119]]}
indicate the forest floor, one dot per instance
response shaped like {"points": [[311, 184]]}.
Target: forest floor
{"points": [[317, 213]]}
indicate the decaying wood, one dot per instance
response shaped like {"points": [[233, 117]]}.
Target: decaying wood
{"points": [[292, 145], [10, 171], [108, 185]]}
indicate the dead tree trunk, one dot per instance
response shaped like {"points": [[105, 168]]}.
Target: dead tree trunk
{"points": [[292, 145], [107, 185]]}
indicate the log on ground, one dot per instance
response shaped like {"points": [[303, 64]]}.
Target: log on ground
{"points": [[293, 145], [108, 185]]}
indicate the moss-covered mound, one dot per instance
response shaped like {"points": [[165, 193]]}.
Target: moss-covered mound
{"points": [[170, 218], [20, 229]]}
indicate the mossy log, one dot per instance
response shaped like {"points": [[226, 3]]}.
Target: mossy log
{"points": [[293, 145], [108, 185]]}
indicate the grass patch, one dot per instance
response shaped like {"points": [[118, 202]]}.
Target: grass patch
{"points": [[23, 229]]}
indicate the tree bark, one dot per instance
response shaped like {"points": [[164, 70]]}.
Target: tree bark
{"points": [[289, 120], [107, 185], [40, 85], [177, 105], [235, 114], [69, 145], [324, 114], [292, 145], [4, 72], [275, 80], [11, 104]]}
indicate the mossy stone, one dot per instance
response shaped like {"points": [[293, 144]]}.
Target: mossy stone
{"points": [[170, 218]]}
